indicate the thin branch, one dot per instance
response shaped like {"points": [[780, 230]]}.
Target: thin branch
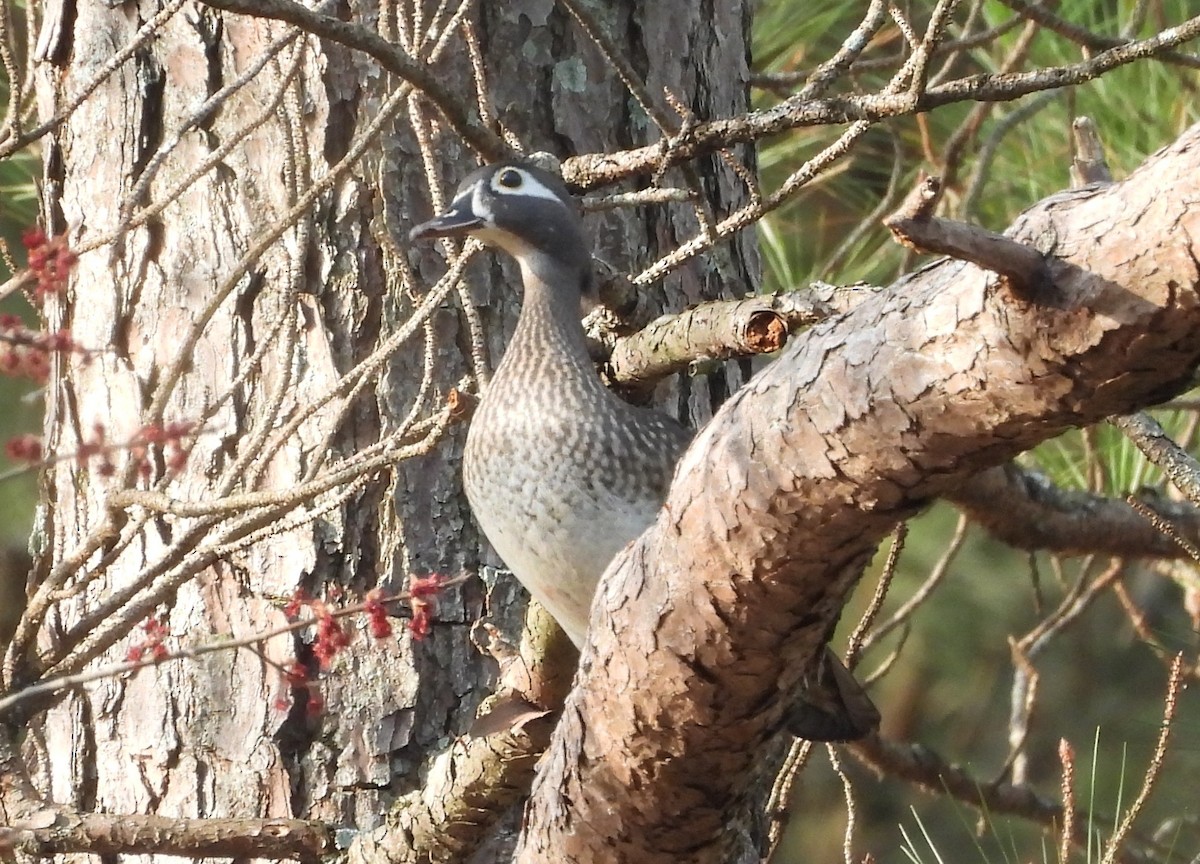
{"points": [[1170, 703], [391, 57], [593, 170], [914, 225], [617, 60], [952, 153], [857, 641], [780, 80], [921, 766], [936, 574], [852, 47], [145, 33], [642, 197], [111, 834], [111, 620], [923, 54], [1022, 508], [1066, 758], [1149, 437], [62, 683], [779, 804], [1042, 14]]}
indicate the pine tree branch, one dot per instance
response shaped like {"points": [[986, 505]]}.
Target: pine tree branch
{"points": [[706, 629]]}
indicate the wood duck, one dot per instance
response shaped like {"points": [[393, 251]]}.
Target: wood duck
{"points": [[560, 473]]}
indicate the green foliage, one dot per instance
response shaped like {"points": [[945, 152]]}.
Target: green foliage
{"points": [[951, 687], [23, 409], [1031, 157]]}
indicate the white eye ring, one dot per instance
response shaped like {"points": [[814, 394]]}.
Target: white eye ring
{"points": [[511, 178], [526, 184]]}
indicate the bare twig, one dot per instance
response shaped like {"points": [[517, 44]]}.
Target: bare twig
{"points": [[913, 225], [1043, 14], [936, 575], [782, 80], [145, 33], [1149, 437], [61, 683], [1170, 703], [921, 766], [780, 801], [856, 642], [1088, 164], [391, 57], [599, 169], [1066, 758]]}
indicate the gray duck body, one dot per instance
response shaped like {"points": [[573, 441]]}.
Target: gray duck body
{"points": [[560, 473]]}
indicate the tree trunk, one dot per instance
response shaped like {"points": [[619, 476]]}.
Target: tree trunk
{"points": [[242, 305]]}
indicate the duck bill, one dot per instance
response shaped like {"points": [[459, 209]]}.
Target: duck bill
{"points": [[456, 221]]}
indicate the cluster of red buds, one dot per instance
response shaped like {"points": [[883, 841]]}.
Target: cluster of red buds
{"points": [[377, 618], [298, 679], [24, 448], [422, 592], [156, 633], [26, 353], [330, 639], [168, 436], [97, 450], [331, 636], [50, 261]]}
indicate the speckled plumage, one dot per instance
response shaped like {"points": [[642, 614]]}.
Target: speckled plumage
{"points": [[561, 474]]}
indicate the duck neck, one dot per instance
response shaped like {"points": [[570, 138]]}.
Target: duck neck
{"points": [[549, 330]]}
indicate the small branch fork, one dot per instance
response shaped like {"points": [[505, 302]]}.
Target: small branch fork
{"points": [[1023, 268]]}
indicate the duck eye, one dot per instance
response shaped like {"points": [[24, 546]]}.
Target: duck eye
{"points": [[510, 178]]}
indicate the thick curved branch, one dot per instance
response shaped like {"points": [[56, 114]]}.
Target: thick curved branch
{"points": [[1018, 506], [705, 629]]}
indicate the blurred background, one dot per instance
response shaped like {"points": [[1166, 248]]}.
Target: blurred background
{"points": [[22, 405]]}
